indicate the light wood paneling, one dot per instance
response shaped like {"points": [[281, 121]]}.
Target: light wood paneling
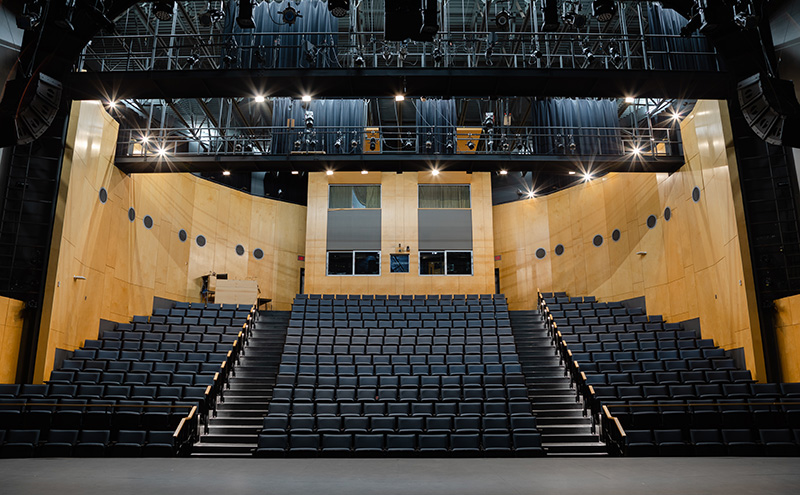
{"points": [[399, 227], [787, 329], [125, 264], [10, 337], [696, 265]]}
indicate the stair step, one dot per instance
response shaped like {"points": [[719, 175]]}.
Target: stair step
{"points": [[575, 448], [227, 430], [224, 448]]}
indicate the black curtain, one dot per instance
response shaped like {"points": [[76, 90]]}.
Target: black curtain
{"points": [[280, 48], [575, 126], [436, 124], [335, 121], [669, 22]]}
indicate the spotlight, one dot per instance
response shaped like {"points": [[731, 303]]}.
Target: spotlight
{"points": [[399, 98], [604, 10], [329, 172], [226, 173], [163, 9], [587, 177], [295, 172], [364, 172], [210, 16], [310, 52], [112, 104], [354, 143], [339, 8], [387, 53], [531, 194], [434, 171], [306, 98], [338, 143], [488, 55], [438, 56], [571, 172], [637, 150], [613, 52], [449, 147], [193, 60], [587, 52], [403, 53], [359, 60], [428, 144], [675, 116], [289, 14], [145, 139], [470, 145], [504, 145], [309, 119], [408, 144], [29, 20], [488, 120], [297, 144], [259, 99], [503, 172], [573, 18], [630, 99], [572, 147], [372, 143], [161, 152], [503, 20]]}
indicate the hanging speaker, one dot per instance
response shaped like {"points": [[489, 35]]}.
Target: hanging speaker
{"points": [[403, 20], [29, 107], [771, 109]]}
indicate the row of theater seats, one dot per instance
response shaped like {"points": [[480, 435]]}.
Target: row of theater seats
{"points": [[301, 299], [355, 387], [713, 442], [147, 376], [87, 443], [661, 382]]}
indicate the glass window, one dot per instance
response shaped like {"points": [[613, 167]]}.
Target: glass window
{"points": [[459, 263], [367, 263], [398, 263], [340, 263], [444, 196], [431, 263], [350, 196]]}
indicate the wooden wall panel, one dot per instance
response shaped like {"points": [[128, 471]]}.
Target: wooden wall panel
{"points": [[10, 337], [787, 328], [399, 227], [125, 264], [696, 265]]}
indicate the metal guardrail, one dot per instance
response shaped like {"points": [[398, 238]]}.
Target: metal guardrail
{"points": [[394, 140], [260, 50]]}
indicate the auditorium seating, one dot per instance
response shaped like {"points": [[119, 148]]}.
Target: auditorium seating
{"points": [[659, 389], [141, 388], [399, 375]]}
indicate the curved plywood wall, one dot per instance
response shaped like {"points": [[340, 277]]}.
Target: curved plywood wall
{"points": [[696, 263], [126, 264]]}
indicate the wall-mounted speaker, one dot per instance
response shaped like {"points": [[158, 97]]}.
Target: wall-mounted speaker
{"points": [[771, 109]]}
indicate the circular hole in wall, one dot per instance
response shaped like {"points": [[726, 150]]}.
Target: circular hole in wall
{"points": [[616, 235], [200, 240], [182, 235], [541, 253], [696, 194], [667, 213], [258, 253], [598, 240], [651, 221], [131, 214], [103, 194], [239, 249], [559, 249], [148, 222]]}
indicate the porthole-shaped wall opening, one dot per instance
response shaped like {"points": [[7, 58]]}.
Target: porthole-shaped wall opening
{"points": [[148, 222], [239, 249], [200, 240], [667, 213], [598, 240], [182, 235], [131, 214], [696, 194], [559, 249], [541, 253], [615, 235], [651, 221], [258, 253], [103, 195]]}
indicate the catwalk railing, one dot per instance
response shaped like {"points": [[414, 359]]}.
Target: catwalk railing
{"points": [[400, 141], [271, 50]]}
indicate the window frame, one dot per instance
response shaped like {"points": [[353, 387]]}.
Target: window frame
{"points": [[420, 185], [380, 192], [445, 274], [353, 264], [408, 260]]}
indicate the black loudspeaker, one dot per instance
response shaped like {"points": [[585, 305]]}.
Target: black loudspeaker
{"points": [[403, 20], [771, 109], [29, 107], [551, 19]]}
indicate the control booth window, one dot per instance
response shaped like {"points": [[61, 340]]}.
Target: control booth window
{"points": [[445, 263], [398, 263], [354, 196], [354, 263], [444, 196]]}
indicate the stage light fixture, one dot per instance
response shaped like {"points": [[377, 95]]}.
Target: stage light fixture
{"points": [[434, 171], [470, 145], [112, 104], [308, 118], [587, 177], [339, 8], [163, 9], [226, 173], [408, 144], [364, 172], [329, 172], [161, 152], [354, 143], [359, 60], [637, 150], [630, 99], [503, 172], [387, 53], [531, 194], [29, 20], [295, 172], [211, 16], [399, 98], [260, 99], [338, 143], [604, 10], [193, 60], [449, 147], [587, 52], [571, 172], [373, 143], [310, 52], [438, 56], [502, 20], [428, 145], [306, 98], [289, 14]]}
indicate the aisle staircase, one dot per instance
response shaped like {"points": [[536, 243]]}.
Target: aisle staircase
{"points": [[565, 431], [234, 431]]}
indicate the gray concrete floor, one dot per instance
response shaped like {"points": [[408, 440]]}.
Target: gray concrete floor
{"points": [[650, 476]]}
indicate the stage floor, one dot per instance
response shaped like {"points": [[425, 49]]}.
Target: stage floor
{"points": [[615, 476]]}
